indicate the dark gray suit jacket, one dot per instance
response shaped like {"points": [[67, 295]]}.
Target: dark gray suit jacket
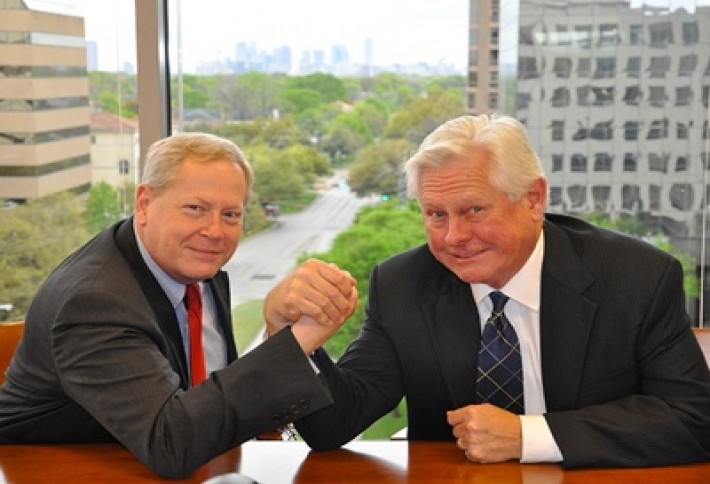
{"points": [[102, 359], [624, 379]]}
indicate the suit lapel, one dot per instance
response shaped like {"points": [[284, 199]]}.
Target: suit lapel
{"points": [[566, 317], [452, 322], [164, 312]]}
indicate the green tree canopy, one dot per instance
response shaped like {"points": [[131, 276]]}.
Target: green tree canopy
{"points": [[377, 168], [34, 239], [330, 87], [422, 114], [377, 233]]}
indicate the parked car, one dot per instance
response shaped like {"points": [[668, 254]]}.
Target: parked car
{"points": [[271, 210], [5, 309]]}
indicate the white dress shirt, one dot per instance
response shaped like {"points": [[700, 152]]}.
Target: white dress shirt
{"points": [[523, 312], [213, 341]]}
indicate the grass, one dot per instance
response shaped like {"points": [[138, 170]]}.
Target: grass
{"points": [[247, 321]]}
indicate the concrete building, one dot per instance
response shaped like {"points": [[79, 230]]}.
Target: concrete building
{"points": [[114, 149], [615, 98], [44, 102]]}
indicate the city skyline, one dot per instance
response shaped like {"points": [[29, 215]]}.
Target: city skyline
{"points": [[402, 32]]}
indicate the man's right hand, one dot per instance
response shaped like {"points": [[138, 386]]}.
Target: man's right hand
{"points": [[316, 299]]}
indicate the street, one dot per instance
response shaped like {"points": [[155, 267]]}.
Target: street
{"points": [[265, 258]]}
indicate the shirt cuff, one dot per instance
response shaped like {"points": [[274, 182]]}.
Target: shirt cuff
{"points": [[538, 443]]}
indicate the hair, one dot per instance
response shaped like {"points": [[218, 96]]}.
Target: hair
{"points": [[165, 157], [515, 166]]}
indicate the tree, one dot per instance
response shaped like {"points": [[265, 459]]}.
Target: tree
{"points": [[421, 115], [31, 245], [103, 207], [377, 233], [276, 178], [328, 86], [377, 168]]}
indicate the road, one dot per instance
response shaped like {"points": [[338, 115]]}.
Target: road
{"points": [[265, 258]]}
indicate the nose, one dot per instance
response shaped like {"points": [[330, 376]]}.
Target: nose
{"points": [[457, 231], [213, 226]]}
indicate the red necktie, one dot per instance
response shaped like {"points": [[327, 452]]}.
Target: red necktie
{"points": [[198, 371]]}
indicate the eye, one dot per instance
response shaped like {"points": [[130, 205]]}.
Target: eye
{"points": [[435, 214], [192, 208], [233, 217]]}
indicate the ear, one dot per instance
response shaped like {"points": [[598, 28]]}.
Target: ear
{"points": [[143, 198], [536, 198]]}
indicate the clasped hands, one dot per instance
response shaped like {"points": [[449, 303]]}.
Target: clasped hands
{"points": [[315, 300], [487, 433]]}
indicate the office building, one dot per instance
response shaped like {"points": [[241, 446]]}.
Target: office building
{"points": [[615, 98], [44, 102]]}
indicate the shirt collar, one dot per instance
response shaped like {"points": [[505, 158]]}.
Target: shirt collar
{"points": [[173, 289], [523, 287]]}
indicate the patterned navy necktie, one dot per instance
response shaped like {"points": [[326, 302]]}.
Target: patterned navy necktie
{"points": [[500, 368]]}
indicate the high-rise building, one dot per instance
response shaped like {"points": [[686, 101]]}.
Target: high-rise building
{"points": [[44, 102], [614, 95]]}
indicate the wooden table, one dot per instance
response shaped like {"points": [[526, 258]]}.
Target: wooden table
{"points": [[274, 462]]}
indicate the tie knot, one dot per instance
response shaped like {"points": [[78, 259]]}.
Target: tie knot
{"points": [[193, 299], [499, 299]]}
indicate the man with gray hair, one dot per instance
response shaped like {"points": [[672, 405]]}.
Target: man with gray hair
{"points": [[518, 334]]}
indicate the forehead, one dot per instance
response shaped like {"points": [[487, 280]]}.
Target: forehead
{"points": [[470, 172]]}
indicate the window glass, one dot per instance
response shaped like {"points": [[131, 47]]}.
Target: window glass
{"points": [[68, 133]]}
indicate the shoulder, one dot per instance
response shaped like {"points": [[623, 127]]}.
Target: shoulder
{"points": [[570, 243]]}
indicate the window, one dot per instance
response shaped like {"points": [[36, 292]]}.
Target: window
{"points": [[633, 66], [691, 34], [557, 162], [606, 67], [602, 162], [584, 96], [527, 36], [632, 96], [661, 34], [562, 67], [681, 196], [687, 64], [630, 197], [682, 131], [630, 162], [560, 97], [584, 67], [608, 35], [583, 36], [557, 131], [683, 96], [658, 162], [527, 68], [659, 66], [603, 96], [657, 96], [658, 129], [578, 163], [577, 195], [555, 196], [601, 195], [636, 34], [561, 36], [681, 163], [631, 130]]}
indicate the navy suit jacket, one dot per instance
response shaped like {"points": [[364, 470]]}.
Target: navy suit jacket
{"points": [[101, 359], [624, 379]]}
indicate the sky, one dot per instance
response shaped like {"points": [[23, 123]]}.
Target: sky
{"points": [[402, 31]]}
